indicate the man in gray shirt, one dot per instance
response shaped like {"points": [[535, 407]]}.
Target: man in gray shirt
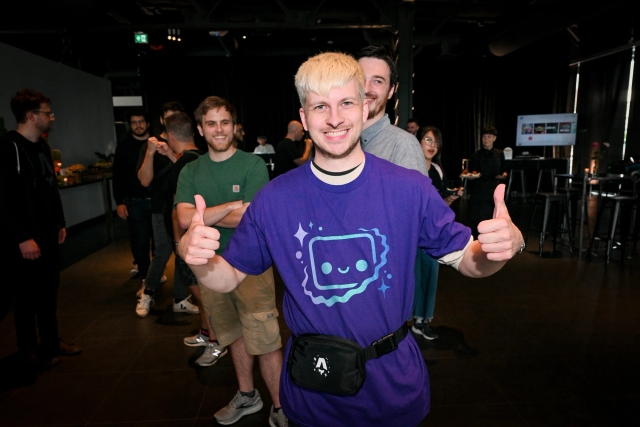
{"points": [[391, 143], [379, 136]]}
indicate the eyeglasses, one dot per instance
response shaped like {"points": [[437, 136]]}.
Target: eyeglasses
{"points": [[430, 142], [48, 113]]}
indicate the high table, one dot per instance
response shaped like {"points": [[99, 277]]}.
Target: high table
{"points": [[103, 179]]}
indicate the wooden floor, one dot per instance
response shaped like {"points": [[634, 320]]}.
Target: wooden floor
{"points": [[547, 341]]}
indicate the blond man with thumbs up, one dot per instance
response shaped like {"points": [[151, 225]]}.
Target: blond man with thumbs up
{"points": [[343, 230]]}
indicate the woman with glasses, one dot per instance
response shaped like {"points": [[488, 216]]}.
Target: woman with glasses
{"points": [[426, 268]]}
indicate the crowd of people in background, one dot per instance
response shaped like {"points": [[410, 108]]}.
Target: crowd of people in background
{"points": [[168, 190]]}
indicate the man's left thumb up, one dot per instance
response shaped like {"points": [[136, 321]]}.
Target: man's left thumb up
{"points": [[500, 209]]}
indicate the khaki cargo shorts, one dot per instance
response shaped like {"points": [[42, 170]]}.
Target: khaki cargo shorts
{"points": [[249, 311]]}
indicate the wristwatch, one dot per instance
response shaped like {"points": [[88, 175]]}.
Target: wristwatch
{"points": [[522, 246]]}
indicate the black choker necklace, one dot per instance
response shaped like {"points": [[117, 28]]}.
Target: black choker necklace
{"points": [[333, 173]]}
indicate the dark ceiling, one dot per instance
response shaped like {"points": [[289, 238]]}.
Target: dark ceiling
{"points": [[98, 35]]}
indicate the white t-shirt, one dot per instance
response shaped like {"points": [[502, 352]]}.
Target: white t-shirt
{"points": [[266, 148]]}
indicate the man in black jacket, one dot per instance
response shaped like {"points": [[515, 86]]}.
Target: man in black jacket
{"points": [[35, 226], [133, 201]]}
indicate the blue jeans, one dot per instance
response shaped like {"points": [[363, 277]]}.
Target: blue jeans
{"points": [[426, 273], [139, 221], [163, 248]]}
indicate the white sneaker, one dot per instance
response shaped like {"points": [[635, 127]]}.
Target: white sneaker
{"points": [[185, 306], [163, 279], [134, 270], [140, 291], [211, 354], [144, 305]]}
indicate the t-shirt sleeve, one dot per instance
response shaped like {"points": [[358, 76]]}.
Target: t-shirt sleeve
{"points": [[439, 233], [185, 190], [141, 154], [257, 178], [247, 250]]}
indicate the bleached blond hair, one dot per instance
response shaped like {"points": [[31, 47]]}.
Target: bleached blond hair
{"points": [[323, 72]]}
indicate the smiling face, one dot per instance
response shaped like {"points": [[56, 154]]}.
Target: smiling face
{"points": [[378, 89], [217, 128], [488, 140], [429, 146], [334, 121]]}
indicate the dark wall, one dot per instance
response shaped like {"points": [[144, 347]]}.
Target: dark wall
{"points": [[460, 96], [457, 95], [261, 90]]}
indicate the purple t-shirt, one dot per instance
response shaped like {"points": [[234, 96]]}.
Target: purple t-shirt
{"points": [[345, 254]]}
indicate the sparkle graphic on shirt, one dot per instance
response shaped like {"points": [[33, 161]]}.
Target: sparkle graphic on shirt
{"points": [[341, 265], [301, 234], [384, 288], [310, 225]]}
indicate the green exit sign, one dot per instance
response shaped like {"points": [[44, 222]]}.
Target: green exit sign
{"points": [[142, 37]]}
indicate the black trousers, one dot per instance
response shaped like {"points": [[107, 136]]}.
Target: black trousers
{"points": [[36, 298]]}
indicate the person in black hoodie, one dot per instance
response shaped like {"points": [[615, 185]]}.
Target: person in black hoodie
{"points": [[490, 163], [35, 226]]}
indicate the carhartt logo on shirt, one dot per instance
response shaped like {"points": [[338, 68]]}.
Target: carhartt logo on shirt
{"points": [[236, 188]]}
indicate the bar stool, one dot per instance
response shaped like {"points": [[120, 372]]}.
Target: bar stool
{"points": [[552, 176], [524, 191], [551, 203], [623, 222]]}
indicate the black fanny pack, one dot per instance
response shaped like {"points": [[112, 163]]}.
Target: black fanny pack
{"points": [[333, 364]]}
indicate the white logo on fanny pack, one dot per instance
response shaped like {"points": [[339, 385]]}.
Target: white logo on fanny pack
{"points": [[322, 365]]}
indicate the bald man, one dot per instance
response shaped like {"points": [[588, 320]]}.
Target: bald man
{"points": [[288, 153]]}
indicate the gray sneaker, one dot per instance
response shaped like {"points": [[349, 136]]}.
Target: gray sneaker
{"points": [[211, 354], [278, 419], [197, 340], [238, 407]]}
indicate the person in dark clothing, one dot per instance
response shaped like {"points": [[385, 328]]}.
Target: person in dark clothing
{"points": [[133, 201], [155, 161], [288, 154], [490, 163], [35, 228], [179, 128]]}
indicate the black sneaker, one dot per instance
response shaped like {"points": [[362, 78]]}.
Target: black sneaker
{"points": [[425, 330]]}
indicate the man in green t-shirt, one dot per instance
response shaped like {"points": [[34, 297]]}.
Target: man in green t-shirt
{"points": [[246, 320]]}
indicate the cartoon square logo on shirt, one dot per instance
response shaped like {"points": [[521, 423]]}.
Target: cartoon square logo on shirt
{"points": [[337, 267], [236, 188]]}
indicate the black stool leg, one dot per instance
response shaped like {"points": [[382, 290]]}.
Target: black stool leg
{"points": [[545, 219], [567, 216], [612, 231]]}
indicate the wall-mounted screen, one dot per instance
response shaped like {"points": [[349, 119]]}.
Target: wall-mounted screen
{"points": [[546, 129]]}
